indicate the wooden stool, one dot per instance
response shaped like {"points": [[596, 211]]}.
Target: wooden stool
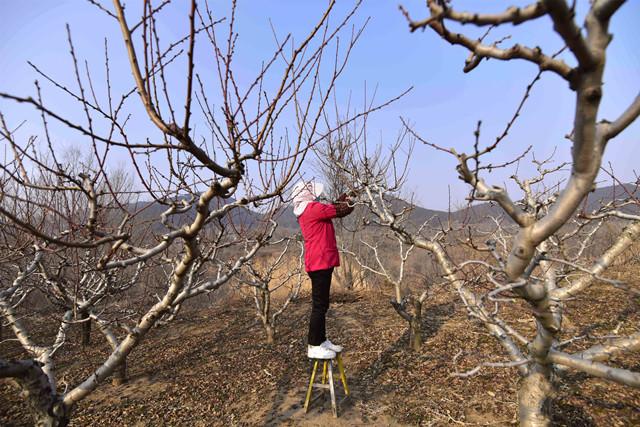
{"points": [[327, 372]]}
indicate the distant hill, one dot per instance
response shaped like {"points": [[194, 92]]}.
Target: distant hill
{"points": [[286, 218], [608, 193], [478, 213]]}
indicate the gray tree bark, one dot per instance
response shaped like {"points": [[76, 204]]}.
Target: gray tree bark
{"points": [[46, 405], [415, 326]]}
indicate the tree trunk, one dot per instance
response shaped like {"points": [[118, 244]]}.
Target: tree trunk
{"points": [[534, 397], [344, 276], [44, 419], [415, 326], [271, 334], [120, 374], [86, 330], [536, 391], [45, 405], [414, 320]]}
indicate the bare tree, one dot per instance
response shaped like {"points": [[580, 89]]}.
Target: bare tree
{"points": [[544, 293], [473, 263], [196, 182], [540, 255], [336, 146], [371, 254], [273, 277], [407, 305]]}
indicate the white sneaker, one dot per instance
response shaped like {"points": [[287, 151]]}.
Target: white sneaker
{"points": [[320, 352], [331, 346]]}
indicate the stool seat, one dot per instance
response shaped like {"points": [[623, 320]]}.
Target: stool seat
{"points": [[327, 373], [323, 358]]}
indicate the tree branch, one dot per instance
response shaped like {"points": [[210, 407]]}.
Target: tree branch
{"points": [[613, 347], [513, 15], [600, 370], [630, 234], [622, 122], [565, 26]]}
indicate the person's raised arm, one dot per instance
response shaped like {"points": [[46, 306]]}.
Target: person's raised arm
{"points": [[342, 206], [320, 211]]}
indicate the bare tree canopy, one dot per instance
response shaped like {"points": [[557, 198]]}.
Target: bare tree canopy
{"points": [[159, 178], [540, 258], [86, 237]]}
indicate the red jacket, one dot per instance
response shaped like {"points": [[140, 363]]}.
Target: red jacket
{"points": [[320, 248]]}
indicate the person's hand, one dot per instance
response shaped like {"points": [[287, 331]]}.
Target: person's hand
{"points": [[344, 206], [348, 196]]}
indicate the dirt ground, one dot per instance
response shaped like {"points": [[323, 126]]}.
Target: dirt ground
{"points": [[211, 368]]}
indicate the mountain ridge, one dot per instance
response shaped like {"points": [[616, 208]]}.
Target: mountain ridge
{"points": [[474, 214]]}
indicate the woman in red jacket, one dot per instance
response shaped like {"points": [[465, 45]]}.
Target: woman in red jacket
{"points": [[320, 257]]}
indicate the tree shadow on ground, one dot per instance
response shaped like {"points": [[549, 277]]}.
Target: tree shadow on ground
{"points": [[565, 414], [572, 386], [225, 341], [364, 382], [280, 408]]}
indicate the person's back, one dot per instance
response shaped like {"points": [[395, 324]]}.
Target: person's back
{"points": [[320, 248], [320, 257]]}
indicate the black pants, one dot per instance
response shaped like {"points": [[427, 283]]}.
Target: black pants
{"points": [[320, 286]]}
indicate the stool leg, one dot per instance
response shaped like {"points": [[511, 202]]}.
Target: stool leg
{"points": [[343, 377], [324, 372], [334, 408], [313, 377]]}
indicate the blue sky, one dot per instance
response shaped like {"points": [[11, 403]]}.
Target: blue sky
{"points": [[444, 105]]}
